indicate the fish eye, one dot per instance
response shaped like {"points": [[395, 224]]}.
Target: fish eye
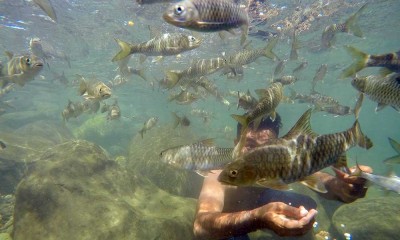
{"points": [[192, 39], [28, 61], [179, 9], [233, 173]]}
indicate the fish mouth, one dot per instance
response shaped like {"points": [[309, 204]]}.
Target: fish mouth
{"points": [[39, 64]]}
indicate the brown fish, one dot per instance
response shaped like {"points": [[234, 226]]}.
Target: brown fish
{"points": [[294, 157], [93, 89]]}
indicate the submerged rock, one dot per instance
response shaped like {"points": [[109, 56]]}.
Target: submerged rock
{"points": [[75, 192], [373, 218], [23, 146], [144, 158]]}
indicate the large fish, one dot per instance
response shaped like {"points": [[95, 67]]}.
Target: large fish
{"points": [[389, 61], [349, 26], [383, 90], [167, 44], [149, 124], [269, 100], [294, 157], [395, 159], [20, 69], [201, 156], [208, 16]]}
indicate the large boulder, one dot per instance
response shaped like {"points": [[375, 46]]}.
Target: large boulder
{"points": [[23, 146], [373, 218], [144, 158], [74, 191]]}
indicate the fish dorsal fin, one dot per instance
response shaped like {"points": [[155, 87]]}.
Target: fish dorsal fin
{"points": [[9, 54], [302, 126], [261, 93], [395, 145], [273, 183], [154, 31], [207, 142], [314, 183]]}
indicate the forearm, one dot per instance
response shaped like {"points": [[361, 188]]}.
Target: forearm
{"points": [[216, 225]]}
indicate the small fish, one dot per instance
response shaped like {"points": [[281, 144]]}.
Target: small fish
{"points": [[167, 44], [302, 66], [126, 71], [20, 69], [395, 159], [93, 89], [113, 110], [314, 98], [72, 110], [269, 100], [383, 90], [183, 121], [319, 75], [389, 61], [200, 157], [349, 26], [198, 68], [246, 101], [46, 6], [208, 16], [279, 67], [45, 50], [184, 97], [212, 89], [294, 157], [391, 183], [337, 110], [285, 80], [2, 145], [295, 46], [149, 124], [206, 116], [141, 2]]}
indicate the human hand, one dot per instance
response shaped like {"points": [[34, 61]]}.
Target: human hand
{"points": [[349, 188], [285, 220]]}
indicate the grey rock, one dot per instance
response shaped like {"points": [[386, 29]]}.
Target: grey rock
{"points": [[373, 218]]}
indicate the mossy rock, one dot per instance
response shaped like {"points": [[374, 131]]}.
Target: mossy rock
{"points": [[144, 158]]}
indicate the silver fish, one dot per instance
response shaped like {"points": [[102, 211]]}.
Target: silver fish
{"points": [[392, 182], [201, 156], [46, 6]]}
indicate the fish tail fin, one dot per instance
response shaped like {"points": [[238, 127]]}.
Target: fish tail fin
{"points": [[243, 120], [173, 78], [142, 131], [82, 86], [141, 73], [245, 32], [126, 50], [360, 62], [177, 120], [351, 23], [267, 51], [357, 106], [359, 137]]}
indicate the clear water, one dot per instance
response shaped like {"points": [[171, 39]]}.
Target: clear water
{"points": [[86, 30]]}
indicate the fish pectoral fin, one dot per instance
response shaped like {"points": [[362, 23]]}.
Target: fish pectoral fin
{"points": [[380, 107], [314, 183], [395, 145], [274, 184], [202, 173]]}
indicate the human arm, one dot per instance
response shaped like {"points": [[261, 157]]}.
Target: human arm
{"points": [[344, 187], [211, 223]]}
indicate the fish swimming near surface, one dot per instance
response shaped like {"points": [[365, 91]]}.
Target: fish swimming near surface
{"points": [[149, 124], [20, 69], [395, 159], [391, 182], [167, 44], [93, 89], [294, 157], [269, 101], [208, 16], [47, 7], [389, 61], [383, 90], [200, 157], [349, 26]]}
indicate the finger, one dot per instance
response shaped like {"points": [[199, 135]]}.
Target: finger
{"points": [[347, 178], [289, 211]]}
